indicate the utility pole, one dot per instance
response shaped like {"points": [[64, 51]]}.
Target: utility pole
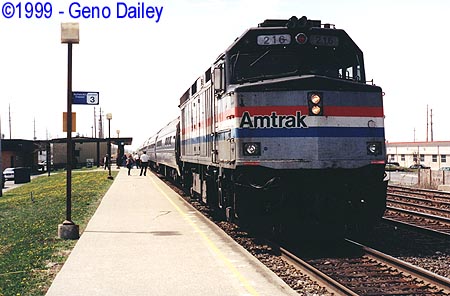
{"points": [[431, 121], [34, 128], [9, 114], [100, 125], [95, 127], [427, 123]]}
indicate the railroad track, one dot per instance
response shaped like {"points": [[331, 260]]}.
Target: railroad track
{"points": [[422, 205], [423, 200], [425, 209], [435, 197], [371, 273]]}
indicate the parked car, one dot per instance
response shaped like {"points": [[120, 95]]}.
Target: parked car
{"points": [[419, 166], [444, 169], [393, 166], [8, 174]]}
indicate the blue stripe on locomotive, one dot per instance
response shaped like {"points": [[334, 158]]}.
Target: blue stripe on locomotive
{"points": [[312, 132], [359, 132]]}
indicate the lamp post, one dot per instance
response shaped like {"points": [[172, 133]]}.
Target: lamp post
{"points": [[109, 117], [68, 229], [119, 151]]}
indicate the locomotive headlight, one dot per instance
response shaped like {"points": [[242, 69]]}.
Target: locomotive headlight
{"points": [[315, 98], [316, 110], [252, 149], [315, 103], [374, 148]]}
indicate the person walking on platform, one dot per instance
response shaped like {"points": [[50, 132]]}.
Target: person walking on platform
{"points": [[129, 163], [144, 163], [106, 161]]}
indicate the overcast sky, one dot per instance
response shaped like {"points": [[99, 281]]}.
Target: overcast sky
{"points": [[141, 67]]}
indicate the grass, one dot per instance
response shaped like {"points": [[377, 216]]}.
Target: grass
{"points": [[30, 251]]}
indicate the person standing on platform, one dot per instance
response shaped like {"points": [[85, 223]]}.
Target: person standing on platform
{"points": [[136, 161], [129, 163], [144, 163], [124, 160]]}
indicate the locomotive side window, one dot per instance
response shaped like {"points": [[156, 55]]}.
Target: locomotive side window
{"points": [[208, 75], [194, 88]]}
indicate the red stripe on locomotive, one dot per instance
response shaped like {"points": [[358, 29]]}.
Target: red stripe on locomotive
{"points": [[337, 111]]}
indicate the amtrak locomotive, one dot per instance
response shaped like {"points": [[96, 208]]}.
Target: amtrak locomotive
{"points": [[282, 128]]}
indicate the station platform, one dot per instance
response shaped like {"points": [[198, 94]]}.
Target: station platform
{"points": [[144, 239]]}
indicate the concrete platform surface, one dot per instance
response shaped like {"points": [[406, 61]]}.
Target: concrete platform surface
{"points": [[144, 239]]}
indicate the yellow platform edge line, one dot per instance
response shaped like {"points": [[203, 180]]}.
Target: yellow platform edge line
{"points": [[210, 244]]}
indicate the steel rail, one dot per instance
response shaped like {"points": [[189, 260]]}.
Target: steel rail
{"points": [[418, 272], [418, 227], [427, 200], [420, 191], [313, 272], [420, 214]]}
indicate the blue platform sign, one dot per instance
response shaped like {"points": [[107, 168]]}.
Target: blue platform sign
{"points": [[85, 98]]}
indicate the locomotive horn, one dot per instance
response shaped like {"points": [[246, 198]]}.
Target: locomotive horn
{"points": [[292, 22], [302, 22]]}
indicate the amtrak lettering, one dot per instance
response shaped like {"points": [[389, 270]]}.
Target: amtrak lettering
{"points": [[273, 121]]}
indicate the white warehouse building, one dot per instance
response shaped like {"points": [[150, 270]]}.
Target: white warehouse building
{"points": [[432, 154]]}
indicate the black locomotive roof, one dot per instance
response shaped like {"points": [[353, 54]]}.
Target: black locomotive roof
{"points": [[293, 26]]}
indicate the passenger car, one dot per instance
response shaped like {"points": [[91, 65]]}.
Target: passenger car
{"points": [[8, 174], [393, 166], [419, 166], [444, 169]]}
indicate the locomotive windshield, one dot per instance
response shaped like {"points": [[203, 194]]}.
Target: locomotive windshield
{"points": [[252, 61]]}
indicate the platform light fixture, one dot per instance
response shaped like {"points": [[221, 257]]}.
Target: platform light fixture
{"points": [[70, 33]]}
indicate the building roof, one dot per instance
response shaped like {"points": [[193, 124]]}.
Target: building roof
{"points": [[116, 141], [429, 144]]}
